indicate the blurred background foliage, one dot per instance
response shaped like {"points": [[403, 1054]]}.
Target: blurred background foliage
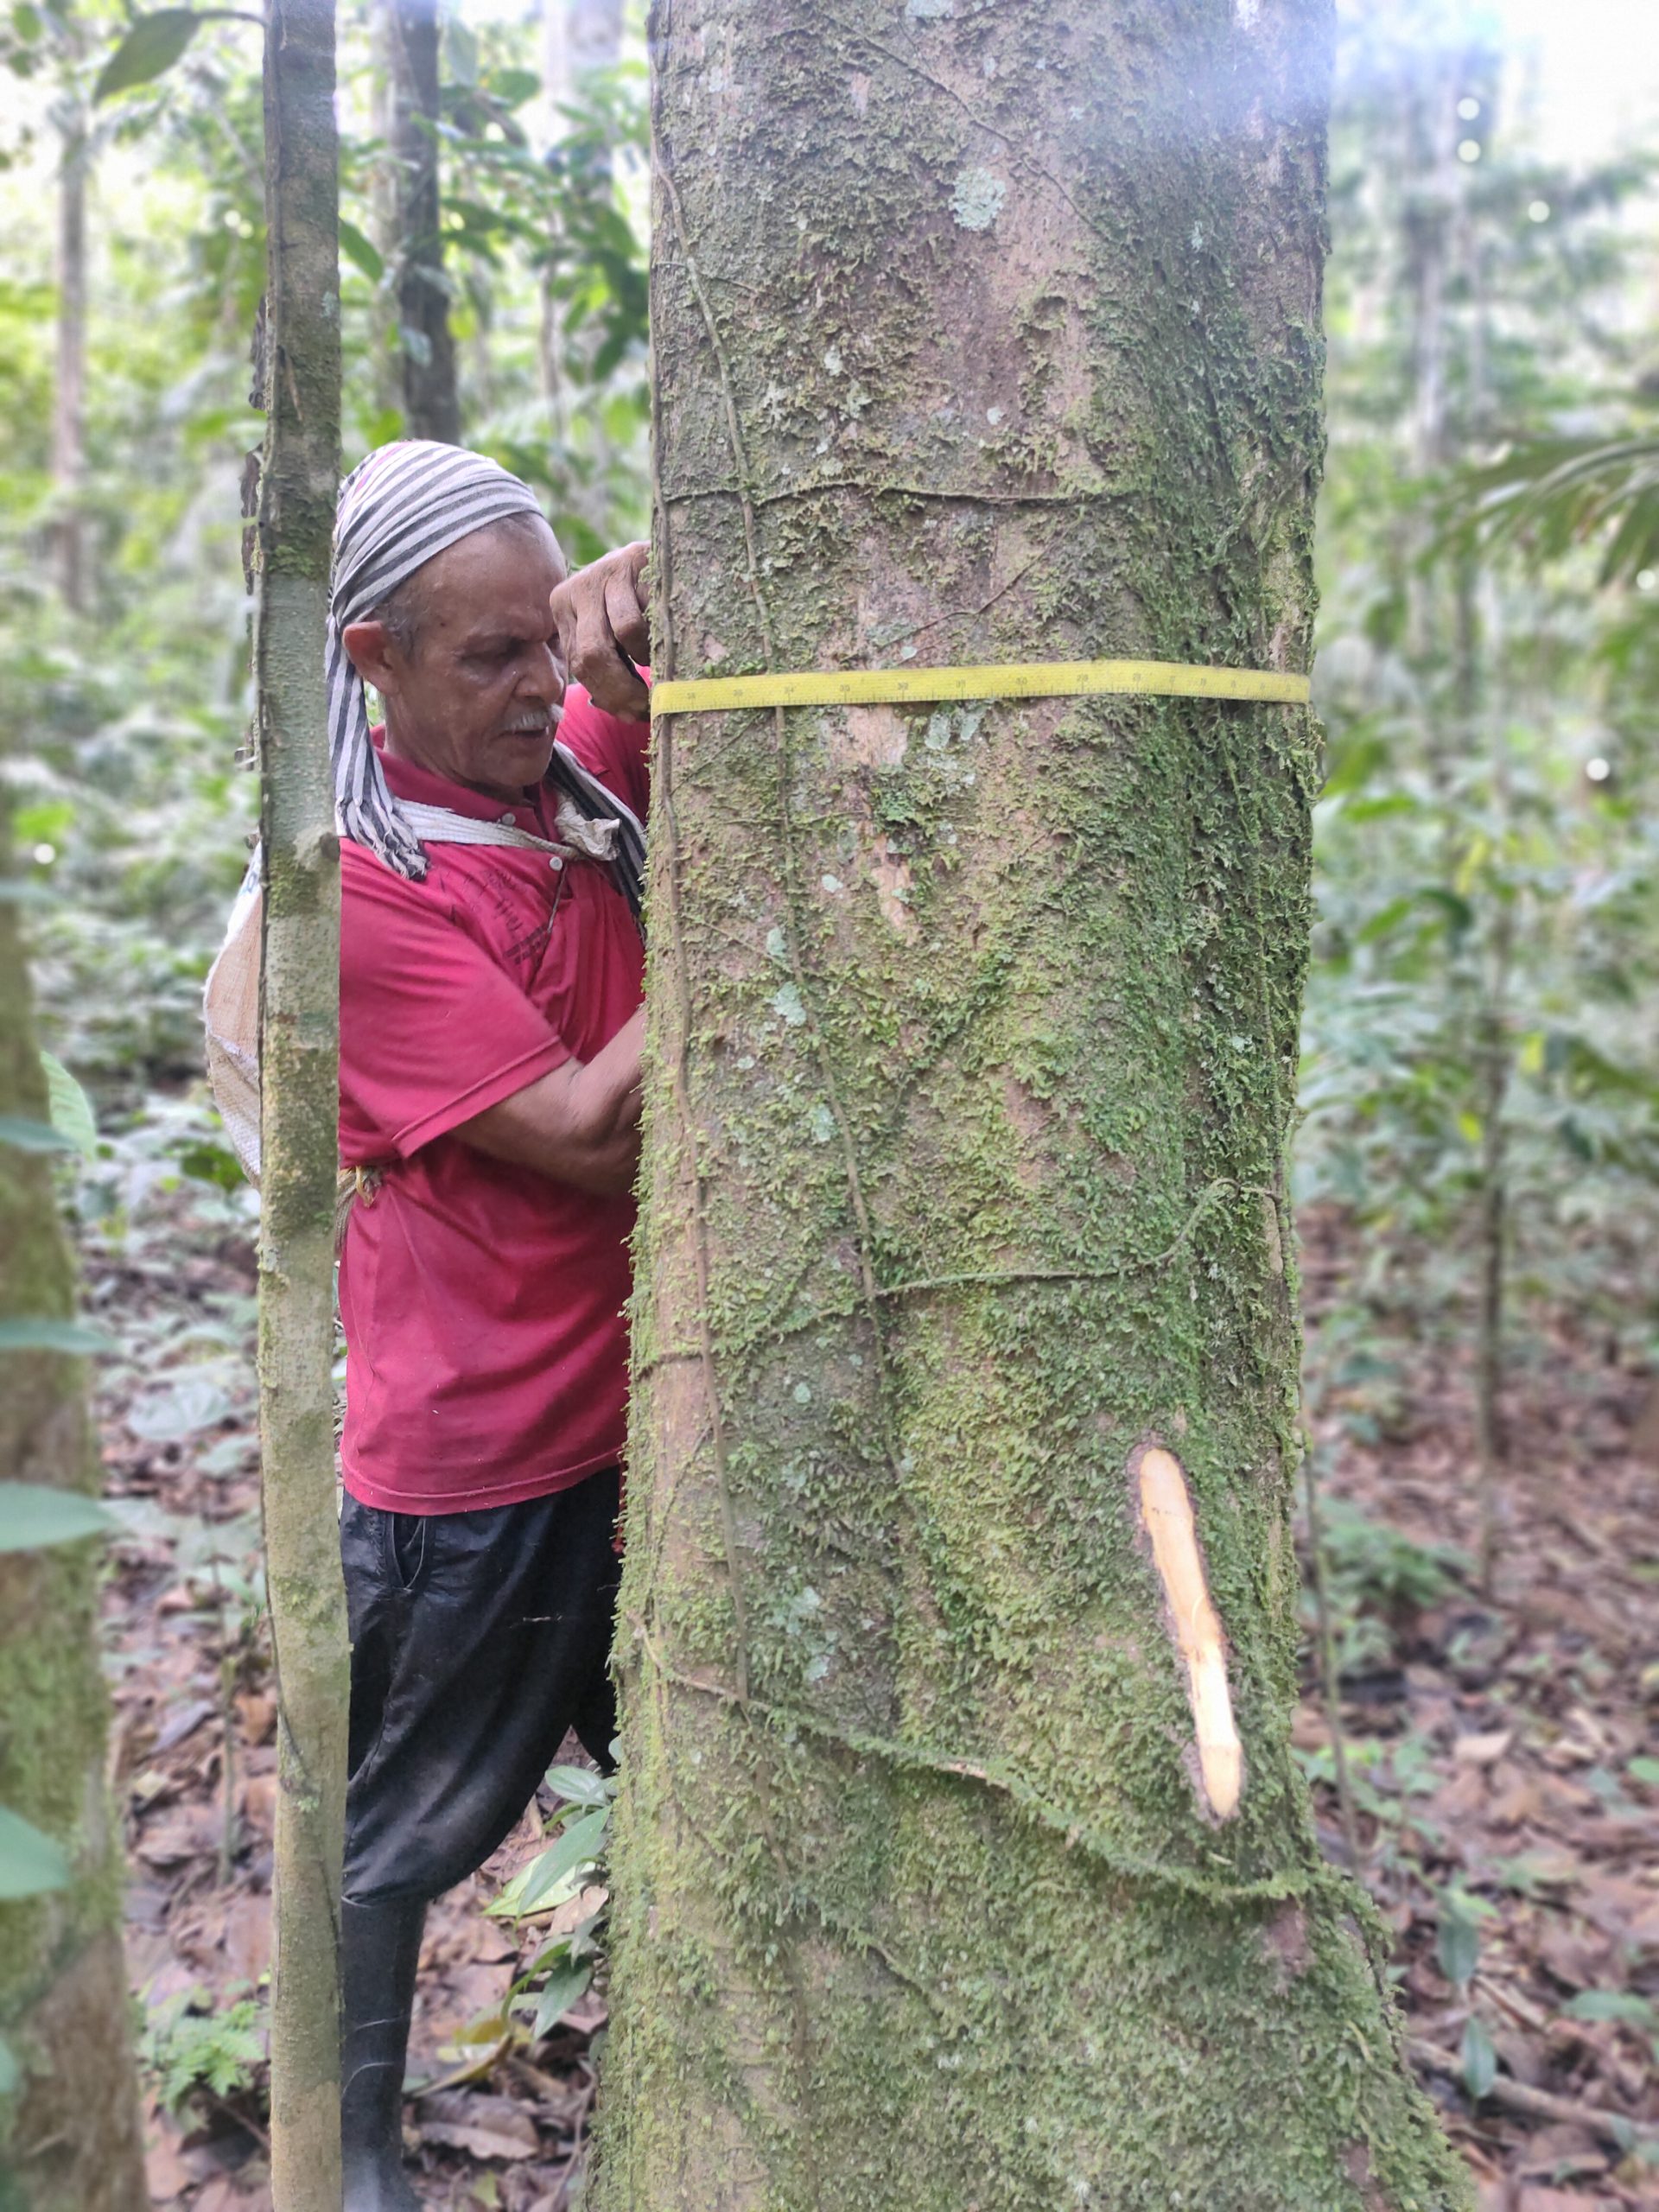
{"points": [[1481, 1072]]}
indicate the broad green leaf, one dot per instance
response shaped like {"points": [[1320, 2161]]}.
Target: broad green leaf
{"points": [[152, 46], [33, 1136], [43, 1332], [1613, 2005], [69, 1107], [30, 1863], [10, 2072], [579, 1785], [559, 1993], [1457, 1945], [34, 1515], [1476, 2060], [460, 44], [512, 87], [577, 1848], [361, 251], [1641, 1768], [195, 1402]]}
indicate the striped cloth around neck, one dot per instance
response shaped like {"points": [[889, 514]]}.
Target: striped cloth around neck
{"points": [[399, 509]]}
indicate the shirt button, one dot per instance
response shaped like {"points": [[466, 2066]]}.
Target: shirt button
{"points": [[509, 821], [556, 861]]}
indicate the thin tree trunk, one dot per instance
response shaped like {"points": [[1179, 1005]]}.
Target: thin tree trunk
{"points": [[431, 402], [1493, 1069], [299, 1033], [962, 1859], [578, 37], [69, 2139], [387, 359], [69, 428]]}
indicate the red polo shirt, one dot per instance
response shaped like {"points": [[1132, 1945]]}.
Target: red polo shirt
{"points": [[483, 1304]]}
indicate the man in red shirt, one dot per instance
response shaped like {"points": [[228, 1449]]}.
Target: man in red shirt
{"points": [[490, 1033]]}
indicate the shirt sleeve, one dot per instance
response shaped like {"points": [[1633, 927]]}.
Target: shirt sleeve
{"points": [[432, 1031], [615, 751]]}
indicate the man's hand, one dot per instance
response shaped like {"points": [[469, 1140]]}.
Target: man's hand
{"points": [[579, 1125], [600, 613]]}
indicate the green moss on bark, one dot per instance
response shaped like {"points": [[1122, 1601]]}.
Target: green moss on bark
{"points": [[69, 2136], [972, 1045]]}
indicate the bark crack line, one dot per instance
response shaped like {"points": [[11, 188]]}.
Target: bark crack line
{"points": [[866, 1240], [679, 1079], [947, 494], [989, 1279], [1312, 1879]]}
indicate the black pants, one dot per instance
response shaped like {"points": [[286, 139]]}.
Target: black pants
{"points": [[477, 1640]]}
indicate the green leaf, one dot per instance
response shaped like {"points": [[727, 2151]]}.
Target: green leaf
{"points": [[11, 2073], [43, 1333], [579, 1785], [185, 1408], [461, 45], [1457, 1945], [34, 1515], [512, 87], [362, 251], [152, 46], [1641, 1768], [559, 1993], [30, 1863], [33, 1136], [70, 1108], [1476, 2060], [578, 1846], [1611, 2004]]}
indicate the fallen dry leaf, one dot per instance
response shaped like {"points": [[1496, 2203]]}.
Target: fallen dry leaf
{"points": [[1484, 1750], [485, 2126]]}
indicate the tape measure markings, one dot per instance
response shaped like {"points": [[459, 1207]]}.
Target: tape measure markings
{"points": [[1017, 680]]}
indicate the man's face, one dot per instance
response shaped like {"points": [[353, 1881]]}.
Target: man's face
{"points": [[476, 698]]}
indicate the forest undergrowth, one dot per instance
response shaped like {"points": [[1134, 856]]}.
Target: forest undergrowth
{"points": [[1498, 1750]]}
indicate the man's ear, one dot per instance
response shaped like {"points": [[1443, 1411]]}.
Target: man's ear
{"points": [[374, 654]]}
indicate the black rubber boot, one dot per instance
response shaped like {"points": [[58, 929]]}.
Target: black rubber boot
{"points": [[380, 1949]]}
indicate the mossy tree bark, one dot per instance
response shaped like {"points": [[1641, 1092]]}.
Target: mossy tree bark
{"points": [[962, 1861], [299, 1057], [69, 2133]]}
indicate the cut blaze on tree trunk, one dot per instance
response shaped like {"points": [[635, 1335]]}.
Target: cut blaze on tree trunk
{"points": [[69, 2138], [299, 1031], [431, 405], [962, 1859]]}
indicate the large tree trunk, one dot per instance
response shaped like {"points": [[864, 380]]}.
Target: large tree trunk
{"points": [[69, 2138], [299, 1060], [431, 402], [68, 411], [965, 1387]]}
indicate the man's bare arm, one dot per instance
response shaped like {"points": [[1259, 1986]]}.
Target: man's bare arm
{"points": [[579, 1125]]}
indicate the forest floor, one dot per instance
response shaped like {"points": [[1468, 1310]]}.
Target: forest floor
{"points": [[1499, 1751]]}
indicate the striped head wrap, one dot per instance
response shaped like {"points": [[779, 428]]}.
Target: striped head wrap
{"points": [[399, 509]]}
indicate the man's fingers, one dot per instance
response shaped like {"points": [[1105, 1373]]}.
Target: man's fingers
{"points": [[626, 616], [600, 616], [598, 664]]}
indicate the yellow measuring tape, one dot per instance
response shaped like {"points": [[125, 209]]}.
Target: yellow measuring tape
{"points": [[1018, 680]]}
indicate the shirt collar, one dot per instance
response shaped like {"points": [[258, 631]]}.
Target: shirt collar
{"points": [[405, 780]]}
